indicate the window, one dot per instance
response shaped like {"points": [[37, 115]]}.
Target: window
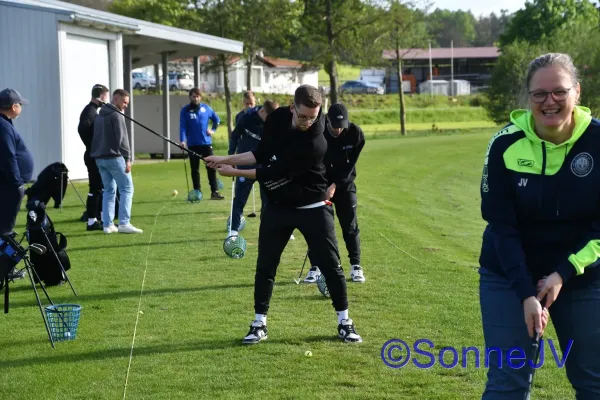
{"points": [[267, 76], [220, 78], [256, 77]]}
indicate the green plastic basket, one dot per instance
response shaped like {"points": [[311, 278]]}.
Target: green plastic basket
{"points": [[63, 320], [322, 285], [235, 246]]}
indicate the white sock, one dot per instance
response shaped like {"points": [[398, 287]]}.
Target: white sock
{"points": [[342, 315], [91, 221], [261, 317], [234, 233]]}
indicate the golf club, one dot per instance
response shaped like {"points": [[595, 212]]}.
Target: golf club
{"points": [[253, 213], [302, 270], [75, 189], [535, 355], [151, 131], [187, 181]]}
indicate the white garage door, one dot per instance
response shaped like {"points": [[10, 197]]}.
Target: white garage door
{"points": [[85, 63]]}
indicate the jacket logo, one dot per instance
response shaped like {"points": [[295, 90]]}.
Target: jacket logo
{"points": [[523, 182], [525, 163], [582, 165]]}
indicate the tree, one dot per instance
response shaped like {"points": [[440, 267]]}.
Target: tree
{"points": [[406, 31], [488, 29], [261, 31], [542, 19], [446, 26], [340, 29], [166, 12]]}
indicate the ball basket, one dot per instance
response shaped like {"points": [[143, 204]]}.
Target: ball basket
{"points": [[63, 320], [322, 285], [235, 246]]}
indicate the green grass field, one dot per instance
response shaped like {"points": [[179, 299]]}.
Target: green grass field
{"points": [[420, 230]]}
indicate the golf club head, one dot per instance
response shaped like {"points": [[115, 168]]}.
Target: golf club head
{"points": [[39, 249], [297, 281], [252, 215]]}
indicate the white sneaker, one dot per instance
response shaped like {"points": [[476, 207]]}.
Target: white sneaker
{"points": [[292, 237], [110, 229], [129, 229], [313, 275], [357, 274]]}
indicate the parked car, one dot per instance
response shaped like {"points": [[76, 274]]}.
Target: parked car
{"points": [[180, 81], [141, 80], [360, 87]]}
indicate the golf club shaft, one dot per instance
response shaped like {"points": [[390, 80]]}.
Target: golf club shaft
{"points": [[303, 264], [151, 131], [231, 214]]}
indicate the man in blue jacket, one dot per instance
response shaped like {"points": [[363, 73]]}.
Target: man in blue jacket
{"points": [[16, 166], [249, 105], [16, 162], [195, 134], [245, 137]]}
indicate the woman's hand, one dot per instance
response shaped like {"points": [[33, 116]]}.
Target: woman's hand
{"points": [[215, 161], [536, 317], [550, 288], [226, 170]]}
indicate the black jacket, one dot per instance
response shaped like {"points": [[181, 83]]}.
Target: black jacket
{"points": [[292, 172], [247, 133], [86, 124], [342, 155]]}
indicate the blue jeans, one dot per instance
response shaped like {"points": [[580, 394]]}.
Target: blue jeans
{"points": [[112, 171], [576, 317], [243, 187]]}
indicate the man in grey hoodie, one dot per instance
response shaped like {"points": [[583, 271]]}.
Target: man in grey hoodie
{"points": [[111, 150]]}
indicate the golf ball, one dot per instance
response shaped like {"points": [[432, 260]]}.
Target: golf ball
{"points": [[67, 334], [175, 193], [308, 353]]}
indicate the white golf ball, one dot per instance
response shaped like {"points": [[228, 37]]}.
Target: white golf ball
{"points": [[308, 353], [67, 334], [175, 193]]}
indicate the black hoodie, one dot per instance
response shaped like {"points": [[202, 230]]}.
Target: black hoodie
{"points": [[292, 172]]}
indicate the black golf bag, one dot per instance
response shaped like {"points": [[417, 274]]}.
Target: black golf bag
{"points": [[52, 266], [48, 185]]}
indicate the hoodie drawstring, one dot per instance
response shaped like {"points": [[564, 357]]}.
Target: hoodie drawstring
{"points": [[559, 185], [541, 190]]}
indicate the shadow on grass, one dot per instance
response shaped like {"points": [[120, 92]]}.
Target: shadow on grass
{"points": [[138, 244], [143, 351], [125, 294]]}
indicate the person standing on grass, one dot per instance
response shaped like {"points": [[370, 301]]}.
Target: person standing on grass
{"points": [[16, 166], [292, 175], [246, 137], [249, 103], [112, 152], [540, 196], [345, 141], [197, 136]]}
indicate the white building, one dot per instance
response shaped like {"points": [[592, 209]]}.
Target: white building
{"points": [[269, 75], [54, 52]]}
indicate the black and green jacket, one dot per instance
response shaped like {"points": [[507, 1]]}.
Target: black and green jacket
{"points": [[542, 203]]}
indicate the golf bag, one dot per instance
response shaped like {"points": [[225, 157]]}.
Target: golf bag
{"points": [[11, 253], [49, 185], [52, 266]]}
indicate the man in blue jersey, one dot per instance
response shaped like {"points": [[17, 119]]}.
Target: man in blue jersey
{"points": [[197, 136]]}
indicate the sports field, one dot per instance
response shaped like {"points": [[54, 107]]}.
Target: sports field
{"points": [[420, 229]]}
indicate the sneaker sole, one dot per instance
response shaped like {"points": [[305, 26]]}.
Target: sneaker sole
{"points": [[254, 342], [350, 340]]}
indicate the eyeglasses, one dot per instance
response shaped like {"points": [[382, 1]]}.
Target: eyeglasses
{"points": [[304, 117], [540, 96]]}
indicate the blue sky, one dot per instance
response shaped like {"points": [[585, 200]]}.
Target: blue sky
{"points": [[479, 7]]}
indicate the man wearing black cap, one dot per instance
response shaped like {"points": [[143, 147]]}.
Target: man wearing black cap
{"points": [[100, 95], [16, 165], [292, 174], [345, 141]]}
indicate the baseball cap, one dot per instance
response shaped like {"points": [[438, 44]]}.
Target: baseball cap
{"points": [[338, 116], [8, 97]]}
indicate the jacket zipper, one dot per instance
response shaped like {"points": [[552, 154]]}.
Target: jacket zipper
{"points": [[541, 190]]}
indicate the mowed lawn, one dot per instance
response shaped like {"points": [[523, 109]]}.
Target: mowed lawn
{"points": [[421, 232]]}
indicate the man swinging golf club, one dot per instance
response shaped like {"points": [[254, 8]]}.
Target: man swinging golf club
{"points": [[292, 175], [246, 137], [345, 141]]}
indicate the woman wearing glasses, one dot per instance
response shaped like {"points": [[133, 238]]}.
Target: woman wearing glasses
{"points": [[540, 194]]}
